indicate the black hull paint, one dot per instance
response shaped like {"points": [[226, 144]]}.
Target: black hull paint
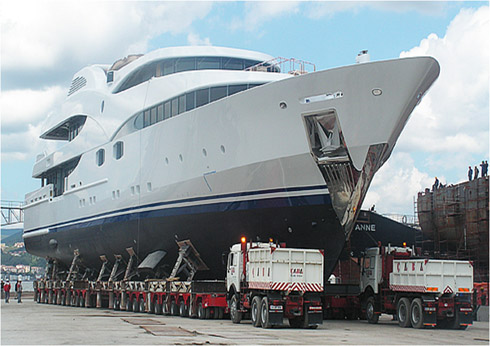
{"points": [[212, 233]]}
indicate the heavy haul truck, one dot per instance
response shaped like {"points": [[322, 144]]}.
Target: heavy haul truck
{"points": [[265, 281], [268, 283], [418, 292]]}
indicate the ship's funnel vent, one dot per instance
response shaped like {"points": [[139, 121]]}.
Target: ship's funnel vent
{"points": [[77, 84]]}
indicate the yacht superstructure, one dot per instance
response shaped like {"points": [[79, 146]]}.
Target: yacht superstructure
{"points": [[211, 143]]}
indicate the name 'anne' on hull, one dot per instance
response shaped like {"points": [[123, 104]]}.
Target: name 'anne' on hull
{"points": [[211, 144]]}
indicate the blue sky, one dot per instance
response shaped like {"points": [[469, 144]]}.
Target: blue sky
{"points": [[45, 42]]}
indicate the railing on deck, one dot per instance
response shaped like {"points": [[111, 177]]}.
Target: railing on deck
{"points": [[12, 212], [293, 66]]}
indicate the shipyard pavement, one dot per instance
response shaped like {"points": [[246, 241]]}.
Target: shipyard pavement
{"points": [[40, 324]]}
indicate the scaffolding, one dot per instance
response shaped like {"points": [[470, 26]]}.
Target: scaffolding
{"points": [[454, 223]]}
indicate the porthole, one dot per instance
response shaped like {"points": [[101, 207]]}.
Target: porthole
{"points": [[204, 152], [181, 158], [223, 150], [102, 106], [166, 160], [283, 105]]}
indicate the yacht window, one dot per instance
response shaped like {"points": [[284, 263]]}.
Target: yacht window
{"points": [[153, 116], [138, 121], [146, 119], [233, 89], [232, 64], [208, 63], [181, 104], [166, 107], [190, 102], [118, 150], [169, 67], [100, 157], [202, 97], [160, 113], [185, 64], [217, 93], [175, 106]]}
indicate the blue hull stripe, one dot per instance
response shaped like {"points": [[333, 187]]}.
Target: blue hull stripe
{"points": [[133, 213]]}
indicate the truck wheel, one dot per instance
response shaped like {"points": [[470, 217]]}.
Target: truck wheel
{"points": [[255, 313], [200, 311], [174, 309], [454, 323], [371, 315], [82, 301], [135, 305], [264, 313], [183, 310], [158, 309], [416, 314], [165, 309], [235, 313], [152, 307], [129, 306], [403, 312], [221, 313], [142, 307], [295, 322], [115, 303]]}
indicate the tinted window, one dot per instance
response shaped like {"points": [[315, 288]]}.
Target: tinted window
{"points": [[208, 63], [100, 157], [146, 121], [169, 67], [118, 150], [175, 106], [182, 104], [138, 122], [232, 64], [233, 89], [166, 108], [160, 113], [185, 64], [153, 116], [217, 93], [202, 97], [190, 101]]}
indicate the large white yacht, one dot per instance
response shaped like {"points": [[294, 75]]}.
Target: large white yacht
{"points": [[211, 144]]}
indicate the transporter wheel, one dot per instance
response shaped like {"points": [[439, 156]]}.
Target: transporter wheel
{"points": [[158, 308], [200, 311], [455, 323], [129, 306], [78, 301], [403, 312], [136, 306], [416, 314], [62, 299], [221, 313], [183, 309], [74, 299], [235, 313], [255, 311], [174, 309], [264, 313], [116, 303], [371, 314], [151, 308], [295, 322], [142, 307], [165, 309]]}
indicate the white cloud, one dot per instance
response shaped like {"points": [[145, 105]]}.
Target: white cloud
{"points": [[196, 40], [23, 107], [452, 122], [395, 184], [45, 34], [259, 12]]}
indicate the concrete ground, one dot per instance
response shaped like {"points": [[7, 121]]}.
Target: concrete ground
{"points": [[40, 324]]}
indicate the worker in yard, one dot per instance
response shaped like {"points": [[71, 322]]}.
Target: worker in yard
{"points": [[6, 289], [3, 283], [476, 172], [436, 185], [470, 173], [18, 289]]}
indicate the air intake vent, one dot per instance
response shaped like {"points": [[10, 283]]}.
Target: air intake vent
{"points": [[77, 84]]}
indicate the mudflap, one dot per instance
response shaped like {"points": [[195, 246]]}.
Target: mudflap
{"points": [[430, 318], [276, 309], [313, 311]]}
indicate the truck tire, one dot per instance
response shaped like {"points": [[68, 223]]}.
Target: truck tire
{"points": [[165, 309], [200, 311], [255, 312], [221, 313], [135, 305], [264, 313], [151, 308], [174, 309], [158, 308], [371, 315], [295, 322], [142, 307], [129, 306], [403, 312], [183, 309], [115, 303], [416, 314], [454, 323], [235, 313]]}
